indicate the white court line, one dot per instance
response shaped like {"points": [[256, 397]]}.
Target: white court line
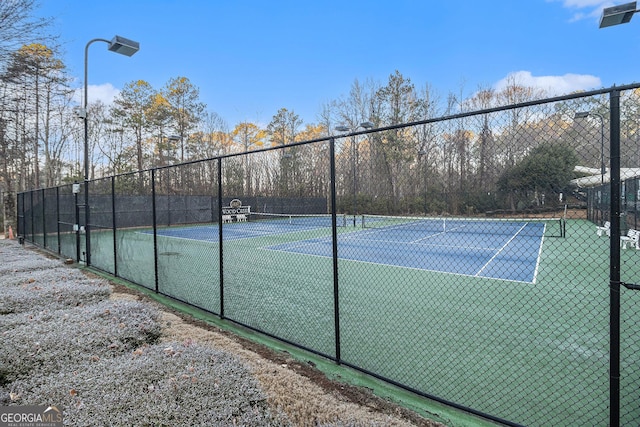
{"points": [[301, 244], [327, 240], [417, 243], [359, 235], [500, 250], [413, 241], [427, 237], [535, 271], [241, 233], [348, 260]]}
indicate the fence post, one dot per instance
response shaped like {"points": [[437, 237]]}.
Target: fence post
{"points": [[155, 227], [44, 218], [220, 246], [58, 220], [33, 224], [114, 224], [614, 277], [87, 227], [77, 225], [334, 238]]}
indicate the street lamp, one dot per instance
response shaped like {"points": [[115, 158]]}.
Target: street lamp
{"points": [[616, 15], [170, 139], [122, 46], [344, 128], [603, 168]]}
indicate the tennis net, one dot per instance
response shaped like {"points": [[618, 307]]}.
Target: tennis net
{"points": [[548, 227], [305, 220]]}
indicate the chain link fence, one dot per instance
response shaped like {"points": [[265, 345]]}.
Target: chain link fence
{"points": [[484, 259]]}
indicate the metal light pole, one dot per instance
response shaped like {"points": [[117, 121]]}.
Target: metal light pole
{"points": [[122, 46], [613, 16], [344, 128]]}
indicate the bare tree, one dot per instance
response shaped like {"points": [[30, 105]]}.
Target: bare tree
{"points": [[186, 108], [283, 130], [18, 26], [130, 108]]}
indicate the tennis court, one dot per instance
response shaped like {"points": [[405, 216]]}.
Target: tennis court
{"points": [[278, 284], [513, 318], [472, 248], [261, 225], [498, 249], [282, 282]]}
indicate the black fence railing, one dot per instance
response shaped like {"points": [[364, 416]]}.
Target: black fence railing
{"points": [[457, 257]]}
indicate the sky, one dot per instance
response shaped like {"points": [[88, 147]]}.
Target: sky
{"points": [[250, 58]]}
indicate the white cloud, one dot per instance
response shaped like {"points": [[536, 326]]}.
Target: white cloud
{"points": [[553, 85], [104, 93], [584, 3], [595, 8]]}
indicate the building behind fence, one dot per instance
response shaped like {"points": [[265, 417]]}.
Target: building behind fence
{"points": [[556, 346]]}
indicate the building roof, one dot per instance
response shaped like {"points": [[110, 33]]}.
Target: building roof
{"points": [[595, 178]]}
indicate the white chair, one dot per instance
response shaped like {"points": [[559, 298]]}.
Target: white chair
{"points": [[632, 238], [226, 219], [241, 218], [606, 228]]}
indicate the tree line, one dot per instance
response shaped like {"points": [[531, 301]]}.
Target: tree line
{"points": [[469, 164]]}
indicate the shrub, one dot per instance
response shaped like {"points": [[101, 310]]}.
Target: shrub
{"points": [[162, 384], [50, 289], [48, 341]]}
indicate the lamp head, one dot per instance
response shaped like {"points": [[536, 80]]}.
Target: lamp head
{"points": [[615, 15], [367, 125], [123, 46]]}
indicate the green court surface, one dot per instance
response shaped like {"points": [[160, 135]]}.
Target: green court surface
{"points": [[524, 352]]}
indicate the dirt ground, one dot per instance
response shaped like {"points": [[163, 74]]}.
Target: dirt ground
{"points": [[299, 390]]}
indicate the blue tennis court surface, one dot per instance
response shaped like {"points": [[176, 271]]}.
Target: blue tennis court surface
{"points": [[236, 231], [507, 251], [501, 256]]}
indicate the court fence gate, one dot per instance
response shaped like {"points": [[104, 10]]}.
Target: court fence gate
{"points": [[460, 257]]}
